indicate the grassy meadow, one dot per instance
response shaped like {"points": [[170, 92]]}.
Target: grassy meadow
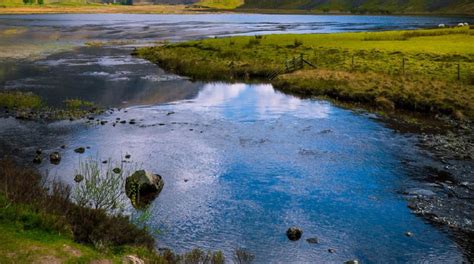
{"points": [[428, 71]]}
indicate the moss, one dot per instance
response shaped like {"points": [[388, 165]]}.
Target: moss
{"points": [[416, 70]]}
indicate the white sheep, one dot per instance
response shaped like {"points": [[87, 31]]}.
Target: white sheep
{"points": [[461, 25], [466, 24], [441, 25]]}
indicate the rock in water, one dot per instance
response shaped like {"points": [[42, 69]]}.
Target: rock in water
{"points": [[312, 240], [37, 159], [143, 187], [294, 233], [55, 158], [80, 150], [78, 178], [352, 262]]}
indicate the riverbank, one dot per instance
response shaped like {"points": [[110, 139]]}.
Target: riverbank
{"points": [[427, 71]]}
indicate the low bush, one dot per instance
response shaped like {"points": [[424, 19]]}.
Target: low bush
{"points": [[47, 205]]}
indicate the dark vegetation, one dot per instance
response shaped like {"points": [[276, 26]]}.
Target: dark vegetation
{"points": [[366, 6], [46, 205]]}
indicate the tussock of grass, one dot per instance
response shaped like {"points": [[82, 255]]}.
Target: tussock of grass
{"points": [[28, 106], [419, 73], [20, 100]]}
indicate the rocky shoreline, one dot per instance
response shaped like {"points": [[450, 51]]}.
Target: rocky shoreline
{"points": [[446, 195]]}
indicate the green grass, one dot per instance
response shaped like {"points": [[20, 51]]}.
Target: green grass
{"points": [[28, 235], [27, 105], [20, 100], [427, 82], [221, 4]]}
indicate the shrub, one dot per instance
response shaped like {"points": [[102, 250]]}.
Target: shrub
{"points": [[40, 204], [100, 188]]}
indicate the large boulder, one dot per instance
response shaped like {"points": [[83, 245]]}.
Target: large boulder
{"points": [[143, 187]]}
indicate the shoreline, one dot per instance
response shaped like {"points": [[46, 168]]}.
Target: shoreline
{"points": [[187, 9]]}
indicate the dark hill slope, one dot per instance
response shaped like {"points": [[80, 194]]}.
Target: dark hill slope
{"points": [[391, 6]]}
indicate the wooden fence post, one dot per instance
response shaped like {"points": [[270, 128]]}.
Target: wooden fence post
{"points": [[403, 65], [301, 61], [459, 71]]}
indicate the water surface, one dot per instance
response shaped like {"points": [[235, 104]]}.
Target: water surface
{"points": [[241, 162]]}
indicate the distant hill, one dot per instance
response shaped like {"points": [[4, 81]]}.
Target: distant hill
{"points": [[367, 6]]}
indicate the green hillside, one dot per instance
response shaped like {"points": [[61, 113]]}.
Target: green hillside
{"points": [[366, 6]]}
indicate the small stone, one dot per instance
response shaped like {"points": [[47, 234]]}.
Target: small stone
{"points": [[103, 122], [80, 150], [294, 233], [123, 122], [39, 152], [408, 234], [78, 178], [55, 158], [312, 240], [331, 250], [186, 180], [37, 159], [63, 146], [104, 162], [132, 122], [354, 261], [170, 113], [117, 170], [128, 156]]}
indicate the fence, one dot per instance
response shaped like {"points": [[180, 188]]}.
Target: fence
{"points": [[294, 64], [393, 64]]}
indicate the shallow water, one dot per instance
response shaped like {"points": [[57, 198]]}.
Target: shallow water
{"points": [[241, 163]]}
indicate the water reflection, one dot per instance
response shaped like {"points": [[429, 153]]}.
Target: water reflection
{"points": [[253, 102]]}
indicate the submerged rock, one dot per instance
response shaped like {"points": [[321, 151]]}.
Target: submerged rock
{"points": [[352, 262], [294, 233], [78, 178], [55, 158], [117, 170], [37, 159], [312, 240], [80, 150], [143, 187]]}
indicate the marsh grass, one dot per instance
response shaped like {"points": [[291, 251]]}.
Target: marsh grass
{"points": [[20, 100], [416, 70], [28, 106]]}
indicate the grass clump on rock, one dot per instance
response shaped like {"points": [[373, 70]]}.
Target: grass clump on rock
{"points": [[427, 71]]}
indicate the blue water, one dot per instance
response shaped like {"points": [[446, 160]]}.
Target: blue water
{"points": [[241, 162]]}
